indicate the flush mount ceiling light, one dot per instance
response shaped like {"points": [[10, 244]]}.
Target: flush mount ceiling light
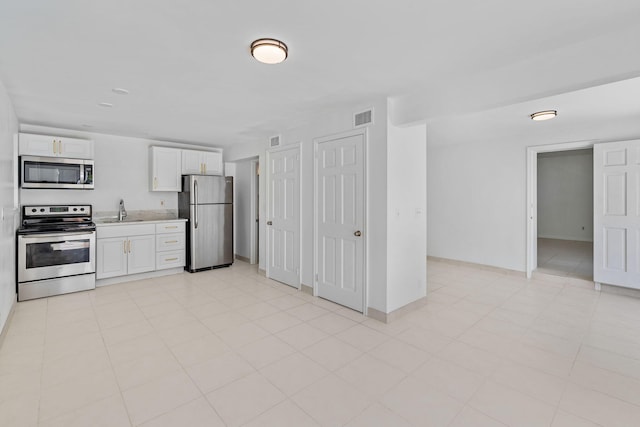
{"points": [[120, 91], [544, 115], [105, 104], [269, 51]]}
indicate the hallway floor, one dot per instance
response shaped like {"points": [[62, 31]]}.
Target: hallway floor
{"points": [[565, 258], [229, 347]]}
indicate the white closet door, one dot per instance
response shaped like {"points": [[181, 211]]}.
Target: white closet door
{"points": [[616, 245], [340, 220], [283, 222]]}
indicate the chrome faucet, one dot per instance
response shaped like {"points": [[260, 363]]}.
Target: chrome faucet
{"points": [[122, 213]]}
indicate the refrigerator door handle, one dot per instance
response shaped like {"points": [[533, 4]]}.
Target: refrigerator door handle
{"points": [[195, 199]]}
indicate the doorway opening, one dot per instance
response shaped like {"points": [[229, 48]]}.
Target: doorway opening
{"points": [[549, 239], [565, 213], [246, 208]]}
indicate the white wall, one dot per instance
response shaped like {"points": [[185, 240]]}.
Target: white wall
{"points": [[8, 205], [242, 203], [339, 120], [477, 198], [565, 195], [407, 215], [121, 171]]}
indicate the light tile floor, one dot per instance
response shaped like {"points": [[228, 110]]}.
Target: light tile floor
{"points": [[565, 258], [229, 347]]}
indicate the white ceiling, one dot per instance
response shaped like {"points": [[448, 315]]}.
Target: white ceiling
{"points": [[601, 113], [192, 79]]}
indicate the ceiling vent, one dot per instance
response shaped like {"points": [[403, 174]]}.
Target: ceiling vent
{"points": [[363, 119], [274, 141]]}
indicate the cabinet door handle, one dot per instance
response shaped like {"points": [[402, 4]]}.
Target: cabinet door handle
{"points": [[171, 241], [129, 245], [205, 168], [124, 246], [155, 182], [171, 259], [54, 147], [170, 226]]}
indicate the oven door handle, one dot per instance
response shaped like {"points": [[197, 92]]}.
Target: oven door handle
{"points": [[60, 236], [69, 246]]}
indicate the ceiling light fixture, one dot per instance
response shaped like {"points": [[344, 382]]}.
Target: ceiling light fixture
{"points": [[120, 91], [544, 115], [105, 104], [269, 51]]}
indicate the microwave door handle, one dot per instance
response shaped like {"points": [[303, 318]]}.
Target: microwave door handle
{"points": [[195, 205], [81, 175]]}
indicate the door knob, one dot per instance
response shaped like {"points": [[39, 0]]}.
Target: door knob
{"points": [[357, 233], [269, 223]]}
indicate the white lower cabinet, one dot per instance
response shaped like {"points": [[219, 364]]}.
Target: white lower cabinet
{"points": [[111, 257], [118, 256], [170, 238], [139, 248], [142, 254]]}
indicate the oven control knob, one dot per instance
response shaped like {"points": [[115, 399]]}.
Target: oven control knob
{"points": [[75, 209], [33, 210], [41, 210], [82, 209]]}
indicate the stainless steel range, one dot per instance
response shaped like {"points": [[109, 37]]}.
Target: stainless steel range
{"points": [[56, 251]]}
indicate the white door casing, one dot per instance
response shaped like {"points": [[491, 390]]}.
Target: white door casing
{"points": [[283, 215], [255, 212], [532, 195], [616, 216], [339, 219]]}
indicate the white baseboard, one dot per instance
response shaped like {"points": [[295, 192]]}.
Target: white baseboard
{"points": [[575, 239]]}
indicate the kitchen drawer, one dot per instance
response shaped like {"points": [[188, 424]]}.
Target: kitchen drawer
{"points": [[171, 259], [107, 231], [170, 227], [169, 242]]}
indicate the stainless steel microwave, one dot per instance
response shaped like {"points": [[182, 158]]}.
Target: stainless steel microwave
{"points": [[54, 172]]}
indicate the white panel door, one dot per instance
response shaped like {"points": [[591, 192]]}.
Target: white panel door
{"points": [[616, 238], [283, 217], [340, 220]]}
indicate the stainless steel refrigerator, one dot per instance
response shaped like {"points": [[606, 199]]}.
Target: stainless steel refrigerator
{"points": [[207, 202]]}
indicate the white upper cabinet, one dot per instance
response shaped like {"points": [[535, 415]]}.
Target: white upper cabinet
{"points": [[165, 169], [191, 162], [212, 162], [201, 162], [55, 146]]}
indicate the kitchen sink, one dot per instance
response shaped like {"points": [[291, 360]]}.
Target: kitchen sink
{"points": [[117, 221]]}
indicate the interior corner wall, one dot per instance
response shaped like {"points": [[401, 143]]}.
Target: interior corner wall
{"points": [[565, 195], [407, 215], [477, 203], [8, 205]]}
